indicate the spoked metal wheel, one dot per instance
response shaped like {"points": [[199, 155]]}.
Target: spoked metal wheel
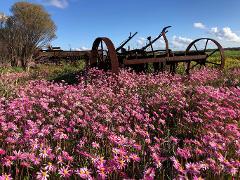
{"points": [[209, 47], [104, 55]]}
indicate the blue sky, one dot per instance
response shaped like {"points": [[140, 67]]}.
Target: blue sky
{"points": [[79, 22]]}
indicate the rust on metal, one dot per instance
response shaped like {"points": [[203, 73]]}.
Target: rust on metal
{"points": [[126, 41], [56, 54], [110, 56], [104, 55], [218, 49], [166, 59], [139, 59]]}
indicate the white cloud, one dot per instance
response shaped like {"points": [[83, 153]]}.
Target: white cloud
{"points": [[57, 3], [83, 48], [159, 44], [213, 30], [177, 42], [141, 41], [3, 17], [225, 34], [180, 42], [199, 25]]}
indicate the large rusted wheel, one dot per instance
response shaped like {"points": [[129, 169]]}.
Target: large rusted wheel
{"points": [[103, 55], [209, 47]]}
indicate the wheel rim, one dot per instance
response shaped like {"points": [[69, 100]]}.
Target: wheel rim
{"points": [[206, 46], [103, 55]]}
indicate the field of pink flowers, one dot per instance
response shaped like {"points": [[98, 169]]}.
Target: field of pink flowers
{"points": [[130, 126]]}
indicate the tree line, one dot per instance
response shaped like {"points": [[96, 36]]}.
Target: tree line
{"points": [[27, 29]]}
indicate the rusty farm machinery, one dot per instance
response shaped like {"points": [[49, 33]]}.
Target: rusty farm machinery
{"points": [[104, 55], [200, 52], [56, 55]]}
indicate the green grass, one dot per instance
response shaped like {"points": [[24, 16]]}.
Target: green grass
{"points": [[4, 70], [232, 60], [13, 77], [232, 53], [52, 72], [66, 71]]}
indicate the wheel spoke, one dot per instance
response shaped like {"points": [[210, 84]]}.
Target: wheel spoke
{"points": [[99, 57], [205, 48], [107, 57], [212, 52], [196, 48], [214, 56], [102, 50]]}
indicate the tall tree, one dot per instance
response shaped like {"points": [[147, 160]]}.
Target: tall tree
{"points": [[30, 27], [3, 20]]}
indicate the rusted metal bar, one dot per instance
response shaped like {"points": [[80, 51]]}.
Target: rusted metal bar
{"points": [[166, 43], [63, 53], [165, 59], [218, 48], [108, 58], [111, 52], [164, 30], [126, 41], [150, 42]]}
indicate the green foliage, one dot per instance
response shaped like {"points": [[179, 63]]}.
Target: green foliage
{"points": [[4, 70], [52, 72], [13, 77], [68, 71], [29, 28], [232, 54], [34, 22]]}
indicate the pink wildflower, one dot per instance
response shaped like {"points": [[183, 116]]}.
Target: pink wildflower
{"points": [[6, 177], [193, 168], [185, 153], [135, 157], [197, 178], [149, 174], [42, 175], [44, 153], [95, 145], [64, 172], [50, 167], [2, 151], [7, 162], [84, 173], [177, 165], [102, 172]]}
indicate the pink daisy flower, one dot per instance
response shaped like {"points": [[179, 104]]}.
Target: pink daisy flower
{"points": [[84, 173], [42, 175], [64, 172], [6, 177], [95, 145]]}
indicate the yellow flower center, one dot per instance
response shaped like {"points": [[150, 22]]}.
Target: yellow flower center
{"points": [[65, 171], [44, 174], [121, 162]]}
